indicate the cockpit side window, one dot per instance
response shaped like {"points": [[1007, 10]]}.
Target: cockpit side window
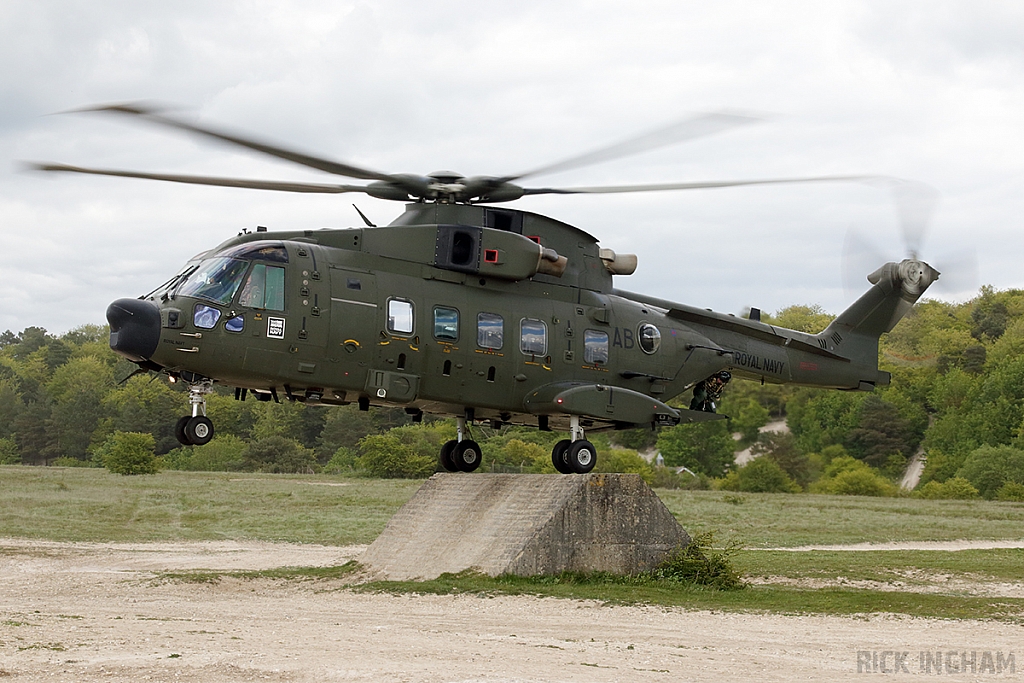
{"points": [[264, 288], [258, 251], [215, 279]]}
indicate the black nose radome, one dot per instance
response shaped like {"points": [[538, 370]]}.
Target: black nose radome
{"points": [[134, 328]]}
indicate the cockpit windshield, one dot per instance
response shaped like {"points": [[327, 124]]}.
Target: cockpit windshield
{"points": [[216, 279]]}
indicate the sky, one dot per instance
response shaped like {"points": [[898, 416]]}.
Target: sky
{"points": [[929, 91]]}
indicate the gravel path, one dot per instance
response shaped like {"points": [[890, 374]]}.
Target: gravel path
{"points": [[93, 612]]}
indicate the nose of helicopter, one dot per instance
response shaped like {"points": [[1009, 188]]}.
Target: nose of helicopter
{"points": [[134, 328]]}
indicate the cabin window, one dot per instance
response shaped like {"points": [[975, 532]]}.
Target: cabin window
{"points": [[399, 316], [595, 347], [490, 329], [264, 288], [446, 323], [533, 340], [649, 337], [215, 279], [236, 324], [205, 317]]}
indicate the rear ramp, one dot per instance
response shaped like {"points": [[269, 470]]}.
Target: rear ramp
{"points": [[526, 524]]}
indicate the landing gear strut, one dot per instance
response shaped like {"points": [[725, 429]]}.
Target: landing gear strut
{"points": [[196, 429], [574, 456], [461, 454]]}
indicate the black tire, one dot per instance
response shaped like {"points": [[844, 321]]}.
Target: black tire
{"points": [[558, 457], [179, 431], [199, 430], [581, 456], [447, 464], [466, 455]]}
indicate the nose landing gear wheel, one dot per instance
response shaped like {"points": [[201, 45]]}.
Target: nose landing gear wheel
{"points": [[558, 457], [179, 431], [199, 430], [466, 455], [446, 456], [581, 456]]}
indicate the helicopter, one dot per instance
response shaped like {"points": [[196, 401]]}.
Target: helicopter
{"points": [[465, 309]]}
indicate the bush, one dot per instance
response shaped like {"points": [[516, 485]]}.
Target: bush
{"points": [[278, 454], [225, 453], [9, 454], [860, 483], [699, 564], [342, 462], [620, 460], [128, 453], [666, 478], [1011, 491], [956, 488], [990, 467], [385, 456], [847, 476], [516, 453], [65, 461], [760, 475]]}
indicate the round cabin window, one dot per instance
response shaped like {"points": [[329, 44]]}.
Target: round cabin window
{"points": [[649, 336]]}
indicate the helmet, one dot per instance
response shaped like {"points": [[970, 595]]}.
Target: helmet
{"points": [[724, 375]]}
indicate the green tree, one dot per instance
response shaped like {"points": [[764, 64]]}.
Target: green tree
{"points": [[781, 448], [128, 453], [880, 431], [990, 467], [703, 447], [820, 418], [809, 319], [344, 426], [760, 475], [749, 420], [77, 389], [144, 404]]}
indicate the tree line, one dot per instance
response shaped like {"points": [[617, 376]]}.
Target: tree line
{"points": [[957, 393]]}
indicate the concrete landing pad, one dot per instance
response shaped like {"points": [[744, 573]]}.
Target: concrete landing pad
{"points": [[526, 524]]}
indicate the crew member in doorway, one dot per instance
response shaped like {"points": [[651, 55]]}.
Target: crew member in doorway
{"points": [[708, 393]]}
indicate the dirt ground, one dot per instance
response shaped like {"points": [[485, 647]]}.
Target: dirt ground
{"points": [[93, 612]]}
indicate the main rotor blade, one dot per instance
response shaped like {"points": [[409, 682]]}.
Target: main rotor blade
{"points": [[281, 186], [337, 168], [687, 129], [658, 187]]}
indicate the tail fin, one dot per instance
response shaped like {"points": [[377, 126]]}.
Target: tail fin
{"points": [[896, 288]]}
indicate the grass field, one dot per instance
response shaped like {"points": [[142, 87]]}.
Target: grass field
{"points": [[85, 504], [93, 505]]}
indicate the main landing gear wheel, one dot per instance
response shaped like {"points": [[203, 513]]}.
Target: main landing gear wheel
{"points": [[581, 456], [199, 430], [466, 455], [558, 457], [447, 464]]}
